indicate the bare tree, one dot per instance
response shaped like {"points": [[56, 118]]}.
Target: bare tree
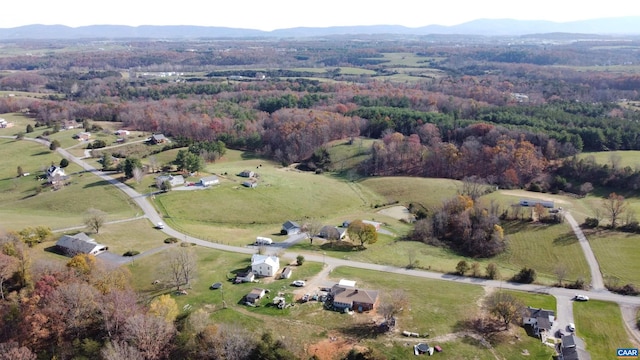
{"points": [[505, 307], [181, 266], [312, 228], [561, 271], [473, 187], [8, 267], [150, 335], [138, 174], [615, 205], [153, 163], [13, 351], [94, 219], [117, 307], [395, 303], [118, 350]]}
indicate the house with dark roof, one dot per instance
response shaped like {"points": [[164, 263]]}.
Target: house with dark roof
{"points": [[540, 320], [247, 174], [244, 276], [158, 139], [290, 228], [352, 298], [80, 243], [332, 232]]}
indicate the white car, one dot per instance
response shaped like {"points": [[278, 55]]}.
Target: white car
{"points": [[581, 298], [298, 283], [571, 327], [160, 226]]}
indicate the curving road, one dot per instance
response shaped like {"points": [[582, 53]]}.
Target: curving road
{"points": [[628, 303], [597, 284]]}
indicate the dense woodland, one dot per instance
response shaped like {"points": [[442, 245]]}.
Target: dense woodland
{"points": [[503, 114]]}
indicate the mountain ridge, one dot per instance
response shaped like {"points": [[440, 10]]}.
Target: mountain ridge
{"points": [[485, 27]]}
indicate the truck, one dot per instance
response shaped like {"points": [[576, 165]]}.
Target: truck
{"points": [[263, 241]]}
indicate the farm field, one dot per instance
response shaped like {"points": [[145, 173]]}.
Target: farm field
{"points": [[618, 255]]}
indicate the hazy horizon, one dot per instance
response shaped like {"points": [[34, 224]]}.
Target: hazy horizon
{"points": [[283, 14]]}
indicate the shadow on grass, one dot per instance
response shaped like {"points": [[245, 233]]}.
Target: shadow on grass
{"points": [[342, 246], [489, 328], [99, 183], [565, 239], [362, 331], [42, 153]]}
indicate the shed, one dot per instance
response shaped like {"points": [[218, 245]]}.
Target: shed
{"points": [[254, 295], [157, 139], [291, 228], [286, 273], [247, 174], [209, 180]]}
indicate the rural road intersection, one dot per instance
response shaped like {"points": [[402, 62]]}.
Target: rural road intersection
{"points": [[628, 304]]}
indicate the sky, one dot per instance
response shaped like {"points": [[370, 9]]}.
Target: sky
{"points": [[279, 14]]}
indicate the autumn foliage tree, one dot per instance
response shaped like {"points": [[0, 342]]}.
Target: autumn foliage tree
{"points": [[362, 232], [463, 225]]}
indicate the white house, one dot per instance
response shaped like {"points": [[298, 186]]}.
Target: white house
{"points": [[265, 265], [176, 180], [79, 244], [123, 132], [55, 174], [209, 180]]}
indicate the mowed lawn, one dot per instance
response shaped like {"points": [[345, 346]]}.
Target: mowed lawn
{"points": [[543, 247], [22, 207], [601, 326], [618, 255]]}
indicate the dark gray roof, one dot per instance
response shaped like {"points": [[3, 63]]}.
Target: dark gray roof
{"points": [[537, 313], [290, 225], [568, 341]]}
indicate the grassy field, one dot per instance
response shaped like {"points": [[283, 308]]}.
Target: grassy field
{"points": [[620, 158], [618, 255], [56, 209], [405, 190], [283, 194], [601, 326]]}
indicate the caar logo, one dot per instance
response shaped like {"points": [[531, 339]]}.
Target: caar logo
{"points": [[627, 353]]}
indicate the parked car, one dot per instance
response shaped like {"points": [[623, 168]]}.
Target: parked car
{"points": [[581, 298], [160, 226], [298, 283], [571, 327]]}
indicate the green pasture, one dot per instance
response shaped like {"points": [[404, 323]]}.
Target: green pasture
{"points": [[346, 155], [601, 326], [543, 247], [618, 254], [621, 159], [406, 190], [57, 209]]}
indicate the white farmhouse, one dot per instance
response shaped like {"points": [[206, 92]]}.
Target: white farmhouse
{"points": [[265, 265]]}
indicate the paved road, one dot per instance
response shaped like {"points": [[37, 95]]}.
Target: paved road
{"points": [[598, 291], [597, 284]]}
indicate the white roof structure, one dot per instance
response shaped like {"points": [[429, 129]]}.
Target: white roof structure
{"points": [[80, 244], [345, 282]]}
